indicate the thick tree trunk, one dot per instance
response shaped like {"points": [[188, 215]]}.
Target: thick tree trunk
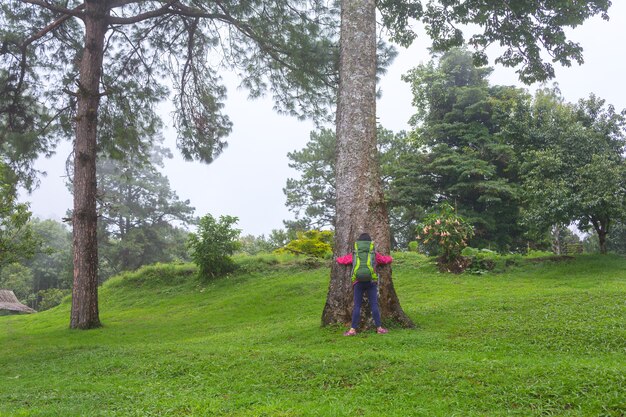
{"points": [[360, 200], [84, 313]]}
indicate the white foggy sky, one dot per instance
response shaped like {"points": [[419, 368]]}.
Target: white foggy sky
{"points": [[247, 179]]}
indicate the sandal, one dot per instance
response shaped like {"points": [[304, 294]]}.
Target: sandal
{"points": [[350, 332], [382, 330]]}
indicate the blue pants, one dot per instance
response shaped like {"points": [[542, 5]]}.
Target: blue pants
{"points": [[372, 295]]}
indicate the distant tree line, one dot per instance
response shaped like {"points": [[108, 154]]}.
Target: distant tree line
{"points": [[141, 221]]}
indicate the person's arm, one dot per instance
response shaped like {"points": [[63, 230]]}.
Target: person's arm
{"points": [[383, 259], [345, 260]]}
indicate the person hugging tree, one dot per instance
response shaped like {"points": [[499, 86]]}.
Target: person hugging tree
{"points": [[364, 279]]}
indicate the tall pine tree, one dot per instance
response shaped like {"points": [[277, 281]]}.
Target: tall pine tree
{"points": [[101, 52]]}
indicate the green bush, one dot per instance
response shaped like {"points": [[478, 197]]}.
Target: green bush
{"points": [[413, 246], [51, 297], [481, 260], [314, 243], [213, 245]]}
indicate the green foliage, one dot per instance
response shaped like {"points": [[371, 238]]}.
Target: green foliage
{"points": [[617, 239], [563, 239], [462, 150], [17, 278], [213, 244], [447, 231], [25, 130], [140, 215], [315, 243], [143, 245], [279, 237], [278, 48], [52, 264], [253, 245], [413, 246], [545, 339], [482, 261], [17, 241], [48, 272], [50, 298], [574, 166], [535, 254], [312, 196], [523, 29]]}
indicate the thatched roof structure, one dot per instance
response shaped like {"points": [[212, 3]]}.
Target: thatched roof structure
{"points": [[9, 302]]}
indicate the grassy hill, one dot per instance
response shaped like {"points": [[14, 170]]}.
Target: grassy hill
{"points": [[542, 339]]}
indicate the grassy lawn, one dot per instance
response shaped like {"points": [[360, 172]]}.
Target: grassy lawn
{"points": [[542, 339]]}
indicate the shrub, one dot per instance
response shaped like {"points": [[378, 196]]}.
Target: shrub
{"points": [[315, 243], [449, 232], [480, 260], [51, 297], [213, 244]]}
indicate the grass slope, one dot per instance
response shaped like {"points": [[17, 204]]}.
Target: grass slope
{"points": [[543, 339]]}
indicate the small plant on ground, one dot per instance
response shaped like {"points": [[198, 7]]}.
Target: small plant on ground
{"points": [[481, 261], [213, 245], [448, 232]]}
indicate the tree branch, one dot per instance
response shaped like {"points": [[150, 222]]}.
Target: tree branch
{"points": [[174, 7], [163, 10], [52, 26], [122, 3], [53, 7]]}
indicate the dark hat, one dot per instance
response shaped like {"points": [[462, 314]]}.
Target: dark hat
{"points": [[364, 236]]}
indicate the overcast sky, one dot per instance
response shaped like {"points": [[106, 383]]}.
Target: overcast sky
{"points": [[247, 179]]}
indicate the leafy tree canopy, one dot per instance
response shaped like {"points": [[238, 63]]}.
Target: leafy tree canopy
{"points": [[575, 169], [462, 149], [523, 28], [17, 240]]}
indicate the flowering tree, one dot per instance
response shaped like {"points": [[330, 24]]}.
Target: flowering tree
{"points": [[449, 232]]}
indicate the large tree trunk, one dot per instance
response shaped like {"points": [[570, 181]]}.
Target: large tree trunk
{"points": [[84, 313], [360, 200]]}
